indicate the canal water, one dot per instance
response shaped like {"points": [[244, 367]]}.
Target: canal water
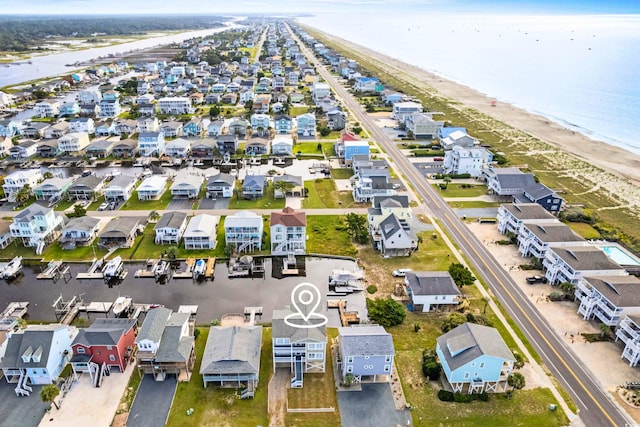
{"points": [[215, 298]]}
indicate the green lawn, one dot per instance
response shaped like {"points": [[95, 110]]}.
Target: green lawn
{"points": [[17, 249], [213, 406], [308, 148], [474, 204], [322, 194], [63, 205], [265, 202], [329, 149], [54, 252], [319, 391], [296, 111], [584, 230], [319, 227], [344, 173], [133, 204], [456, 190]]}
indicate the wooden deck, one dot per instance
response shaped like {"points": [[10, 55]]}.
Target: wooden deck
{"points": [[346, 317], [210, 270]]}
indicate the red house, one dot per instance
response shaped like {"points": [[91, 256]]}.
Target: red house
{"points": [[106, 341]]}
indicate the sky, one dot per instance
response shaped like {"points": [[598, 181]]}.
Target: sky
{"points": [[219, 7]]}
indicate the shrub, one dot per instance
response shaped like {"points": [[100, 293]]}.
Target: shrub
{"points": [[483, 397], [445, 396], [386, 312], [462, 398], [431, 368], [372, 289]]}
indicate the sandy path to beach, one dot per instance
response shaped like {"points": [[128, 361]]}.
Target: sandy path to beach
{"points": [[603, 165]]}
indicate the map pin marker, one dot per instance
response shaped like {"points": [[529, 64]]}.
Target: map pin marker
{"points": [[308, 296]]}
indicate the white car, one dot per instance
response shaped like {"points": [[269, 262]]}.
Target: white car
{"points": [[401, 272], [103, 206]]}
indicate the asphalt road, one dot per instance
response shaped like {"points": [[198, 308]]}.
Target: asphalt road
{"points": [[595, 406]]}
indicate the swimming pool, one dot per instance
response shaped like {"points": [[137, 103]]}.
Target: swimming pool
{"points": [[619, 255]]}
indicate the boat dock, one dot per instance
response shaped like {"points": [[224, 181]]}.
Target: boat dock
{"points": [[15, 309], [346, 317], [94, 271], [188, 273], [54, 269], [66, 311], [251, 313]]}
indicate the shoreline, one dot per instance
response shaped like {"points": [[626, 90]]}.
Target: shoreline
{"points": [[613, 159]]}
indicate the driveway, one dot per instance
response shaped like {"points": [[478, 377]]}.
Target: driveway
{"points": [[24, 411], [153, 402], [372, 407], [477, 212], [179, 204], [221, 203]]}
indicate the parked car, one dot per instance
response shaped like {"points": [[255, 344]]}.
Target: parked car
{"points": [[103, 206], [401, 272], [532, 280]]}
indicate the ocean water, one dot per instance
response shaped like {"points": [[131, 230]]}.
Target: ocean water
{"points": [[581, 71]]}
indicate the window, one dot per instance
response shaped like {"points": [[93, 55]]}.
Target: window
{"points": [[366, 357], [315, 346], [387, 359], [387, 368], [109, 347], [112, 358], [350, 359], [349, 369], [475, 375], [482, 365], [80, 350], [466, 375], [314, 356], [473, 364], [281, 341]]}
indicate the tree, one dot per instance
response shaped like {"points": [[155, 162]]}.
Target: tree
{"points": [[49, 393], [78, 211], [519, 363], [154, 216], [172, 252], [23, 194], [568, 289], [47, 175], [283, 187], [324, 131], [461, 275], [214, 111], [452, 321], [605, 330], [357, 130], [357, 228], [431, 368], [386, 312], [516, 381]]}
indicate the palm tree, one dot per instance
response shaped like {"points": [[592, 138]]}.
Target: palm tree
{"points": [[154, 216], [516, 381], [49, 393], [23, 194]]}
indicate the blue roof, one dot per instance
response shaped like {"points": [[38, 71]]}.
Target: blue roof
{"points": [[368, 79], [445, 131]]}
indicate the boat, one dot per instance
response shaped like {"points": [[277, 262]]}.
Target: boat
{"points": [[199, 268], [121, 304], [113, 269], [161, 269], [343, 277], [12, 268]]}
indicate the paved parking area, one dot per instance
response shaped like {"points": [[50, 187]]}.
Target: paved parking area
{"points": [[86, 405], [153, 402], [372, 407], [221, 203], [477, 212], [24, 411]]}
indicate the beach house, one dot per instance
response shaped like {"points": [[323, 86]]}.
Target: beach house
{"points": [[288, 232], [511, 217], [170, 227], [570, 263], [186, 185], [243, 230], [366, 352], [201, 232], [152, 187], [120, 232], [608, 298], [73, 143], [120, 188], [52, 189], [220, 185], [36, 226], [432, 291], [151, 144], [79, 231], [16, 180]]}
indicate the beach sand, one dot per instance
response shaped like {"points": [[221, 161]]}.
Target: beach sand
{"points": [[620, 169]]}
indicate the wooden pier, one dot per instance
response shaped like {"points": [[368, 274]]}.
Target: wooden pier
{"points": [[94, 271], [53, 270], [346, 317], [251, 313], [210, 270]]}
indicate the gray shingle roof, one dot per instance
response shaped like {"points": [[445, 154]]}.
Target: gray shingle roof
{"points": [[390, 201], [84, 223], [432, 283], [122, 226], [29, 212], [585, 258], [524, 211], [253, 182], [555, 232], [281, 330], [620, 290], [232, 350], [171, 220], [90, 182], [370, 340], [36, 337], [223, 179], [104, 332], [469, 341], [154, 324]]}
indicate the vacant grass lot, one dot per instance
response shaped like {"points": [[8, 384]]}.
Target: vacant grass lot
{"points": [[213, 406], [328, 149], [344, 173], [457, 190], [320, 227], [308, 148], [323, 194], [584, 230]]}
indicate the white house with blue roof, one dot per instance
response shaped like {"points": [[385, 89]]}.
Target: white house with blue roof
{"points": [[475, 359]]}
